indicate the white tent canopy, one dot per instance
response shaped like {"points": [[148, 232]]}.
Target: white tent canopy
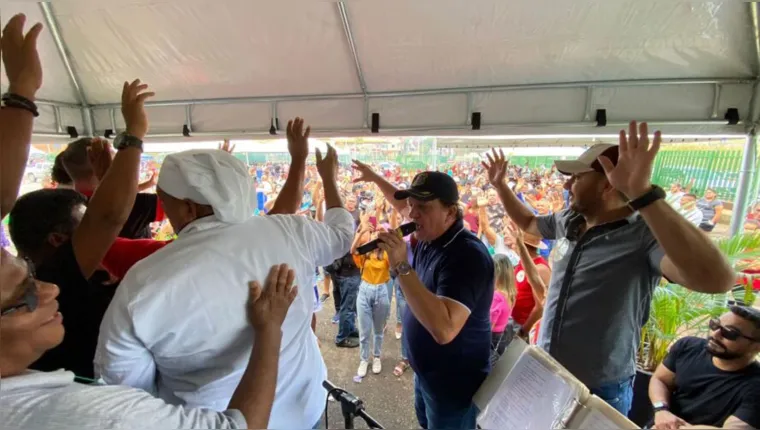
{"points": [[229, 68]]}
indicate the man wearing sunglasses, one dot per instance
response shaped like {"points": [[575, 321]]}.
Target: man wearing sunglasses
{"points": [[713, 381]]}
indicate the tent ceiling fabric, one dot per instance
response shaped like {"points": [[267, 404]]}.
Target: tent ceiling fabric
{"points": [[539, 67]]}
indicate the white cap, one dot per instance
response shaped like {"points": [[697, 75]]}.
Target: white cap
{"points": [[210, 177]]}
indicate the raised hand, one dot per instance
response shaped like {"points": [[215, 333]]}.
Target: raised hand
{"points": [[515, 231], [496, 167], [101, 156], [19, 53], [133, 98], [327, 166], [267, 308], [366, 174], [225, 146], [633, 171], [298, 139]]}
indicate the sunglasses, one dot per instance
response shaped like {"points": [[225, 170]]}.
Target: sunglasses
{"points": [[29, 299], [727, 332]]}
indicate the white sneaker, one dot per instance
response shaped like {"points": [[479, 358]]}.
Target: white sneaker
{"points": [[362, 372], [377, 366]]}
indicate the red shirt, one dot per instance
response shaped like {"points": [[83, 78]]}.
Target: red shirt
{"points": [[524, 302], [125, 253]]}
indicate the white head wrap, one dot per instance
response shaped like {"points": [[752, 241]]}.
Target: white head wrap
{"points": [[210, 177]]}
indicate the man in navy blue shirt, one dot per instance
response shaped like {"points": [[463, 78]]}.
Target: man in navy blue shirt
{"points": [[448, 288]]}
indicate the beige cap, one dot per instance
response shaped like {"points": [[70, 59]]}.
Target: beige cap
{"points": [[587, 162]]}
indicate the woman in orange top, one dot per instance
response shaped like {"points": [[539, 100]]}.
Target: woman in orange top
{"points": [[373, 302]]}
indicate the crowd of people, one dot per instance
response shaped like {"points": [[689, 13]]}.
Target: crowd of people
{"points": [[104, 325]]}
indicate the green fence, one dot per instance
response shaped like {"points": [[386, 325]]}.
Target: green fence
{"points": [[717, 168]]}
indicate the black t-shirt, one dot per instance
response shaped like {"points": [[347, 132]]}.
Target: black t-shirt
{"points": [[143, 213], [456, 266], [707, 395], [83, 303]]}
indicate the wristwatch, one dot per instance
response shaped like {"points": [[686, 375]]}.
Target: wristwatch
{"points": [[651, 196], [403, 268], [124, 140], [659, 406]]}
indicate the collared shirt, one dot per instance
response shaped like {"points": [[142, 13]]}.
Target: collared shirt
{"points": [[52, 400], [599, 295], [177, 325], [456, 266]]}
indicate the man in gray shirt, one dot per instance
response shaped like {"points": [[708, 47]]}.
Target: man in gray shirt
{"points": [[614, 243]]}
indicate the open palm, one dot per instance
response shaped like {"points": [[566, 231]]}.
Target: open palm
{"points": [[631, 175], [496, 166]]}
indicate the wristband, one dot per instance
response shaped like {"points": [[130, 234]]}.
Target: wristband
{"points": [[651, 196], [19, 102]]}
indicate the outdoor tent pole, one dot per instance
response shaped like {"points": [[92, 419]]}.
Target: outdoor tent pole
{"points": [[434, 151], [63, 51], [745, 179], [749, 159]]}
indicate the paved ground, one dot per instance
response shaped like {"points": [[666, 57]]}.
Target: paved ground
{"points": [[388, 399]]}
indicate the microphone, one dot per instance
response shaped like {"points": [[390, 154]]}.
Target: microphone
{"points": [[404, 230]]}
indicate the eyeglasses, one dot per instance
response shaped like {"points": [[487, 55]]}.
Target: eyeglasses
{"points": [[728, 332], [30, 299]]}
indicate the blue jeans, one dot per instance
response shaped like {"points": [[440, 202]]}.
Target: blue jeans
{"points": [[619, 395], [438, 413], [349, 289], [373, 306], [400, 312]]}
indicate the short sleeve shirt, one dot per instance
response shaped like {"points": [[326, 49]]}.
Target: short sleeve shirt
{"points": [[83, 303], [456, 266], [706, 395], [599, 294]]}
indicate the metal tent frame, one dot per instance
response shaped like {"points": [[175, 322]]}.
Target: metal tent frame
{"points": [[714, 124]]}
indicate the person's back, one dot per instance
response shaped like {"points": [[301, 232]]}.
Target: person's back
{"points": [[186, 332]]}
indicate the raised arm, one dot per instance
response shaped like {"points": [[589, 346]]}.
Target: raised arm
{"points": [[22, 66], [538, 276], [289, 199], [388, 190], [691, 259], [150, 183], [112, 202], [496, 166]]}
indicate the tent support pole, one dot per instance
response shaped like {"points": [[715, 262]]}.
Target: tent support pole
{"points": [[343, 12], [57, 116], [189, 117], [442, 91], [749, 159], [716, 101], [63, 51], [589, 103], [741, 201]]}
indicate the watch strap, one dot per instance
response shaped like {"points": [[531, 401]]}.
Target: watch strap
{"points": [[651, 196], [659, 406], [124, 140]]}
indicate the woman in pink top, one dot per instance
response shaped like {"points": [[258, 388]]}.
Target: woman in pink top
{"points": [[503, 299]]}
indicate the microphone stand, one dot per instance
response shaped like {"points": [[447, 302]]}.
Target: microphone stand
{"points": [[351, 407]]}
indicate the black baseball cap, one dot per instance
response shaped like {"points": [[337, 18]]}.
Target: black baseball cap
{"points": [[432, 185]]}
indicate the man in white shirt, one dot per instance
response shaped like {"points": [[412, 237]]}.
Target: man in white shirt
{"points": [[171, 328]]}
